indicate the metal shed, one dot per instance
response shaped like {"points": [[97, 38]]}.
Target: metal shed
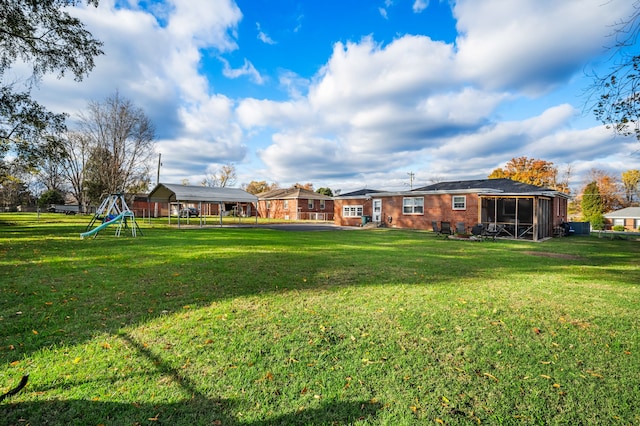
{"points": [[176, 193]]}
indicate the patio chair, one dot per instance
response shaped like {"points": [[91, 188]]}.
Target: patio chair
{"points": [[434, 225], [445, 228], [492, 231], [478, 230], [460, 228]]}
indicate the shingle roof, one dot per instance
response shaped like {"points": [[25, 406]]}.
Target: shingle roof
{"points": [[169, 192], [291, 194], [359, 193], [501, 185], [626, 213]]}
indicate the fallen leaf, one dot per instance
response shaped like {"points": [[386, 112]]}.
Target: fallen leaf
{"points": [[34, 331], [544, 376], [491, 376], [105, 345], [556, 385]]}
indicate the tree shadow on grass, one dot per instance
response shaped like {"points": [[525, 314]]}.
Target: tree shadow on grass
{"points": [[197, 411], [200, 409]]}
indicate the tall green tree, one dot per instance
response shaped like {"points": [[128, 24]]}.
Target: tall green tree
{"points": [[325, 191], [41, 34], [592, 205]]}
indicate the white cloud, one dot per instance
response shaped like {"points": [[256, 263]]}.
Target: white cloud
{"points": [[531, 46], [363, 72], [247, 69], [264, 37], [420, 5]]}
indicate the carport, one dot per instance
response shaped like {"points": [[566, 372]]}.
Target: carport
{"points": [[183, 194]]}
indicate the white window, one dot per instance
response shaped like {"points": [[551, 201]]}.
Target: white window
{"points": [[268, 204], [618, 222], [459, 202], [413, 205], [352, 211], [286, 204], [310, 204], [322, 205]]}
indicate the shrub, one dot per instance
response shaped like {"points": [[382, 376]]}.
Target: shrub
{"points": [[597, 222], [50, 197], [618, 228]]}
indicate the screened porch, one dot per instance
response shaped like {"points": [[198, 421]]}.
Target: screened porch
{"points": [[518, 217]]}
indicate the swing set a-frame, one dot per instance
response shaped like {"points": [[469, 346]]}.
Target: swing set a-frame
{"points": [[113, 211]]}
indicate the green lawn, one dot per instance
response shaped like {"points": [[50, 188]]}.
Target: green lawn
{"points": [[233, 326]]}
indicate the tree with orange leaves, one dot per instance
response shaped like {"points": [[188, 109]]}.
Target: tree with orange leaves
{"points": [[610, 189], [531, 171]]}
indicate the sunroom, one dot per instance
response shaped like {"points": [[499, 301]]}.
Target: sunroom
{"points": [[528, 217]]}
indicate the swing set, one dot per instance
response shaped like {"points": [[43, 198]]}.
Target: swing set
{"points": [[112, 211]]}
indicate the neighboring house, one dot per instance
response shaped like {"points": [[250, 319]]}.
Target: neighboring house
{"points": [[524, 211], [295, 204], [628, 217]]}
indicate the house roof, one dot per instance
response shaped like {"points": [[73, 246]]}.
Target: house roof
{"points": [[627, 213], [359, 193], [292, 194], [499, 185], [168, 192]]}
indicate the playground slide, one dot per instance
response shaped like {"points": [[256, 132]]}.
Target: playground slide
{"points": [[101, 227]]}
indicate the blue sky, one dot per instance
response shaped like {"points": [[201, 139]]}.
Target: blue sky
{"points": [[350, 94]]}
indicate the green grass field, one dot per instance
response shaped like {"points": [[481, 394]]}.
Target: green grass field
{"points": [[244, 326]]}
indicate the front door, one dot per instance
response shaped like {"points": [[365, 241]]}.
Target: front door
{"points": [[377, 211]]}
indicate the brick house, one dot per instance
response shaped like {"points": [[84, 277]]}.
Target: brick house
{"points": [[524, 211], [295, 204], [628, 217]]}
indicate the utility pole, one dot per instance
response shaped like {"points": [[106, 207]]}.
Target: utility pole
{"points": [[155, 209], [159, 164], [411, 176]]}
